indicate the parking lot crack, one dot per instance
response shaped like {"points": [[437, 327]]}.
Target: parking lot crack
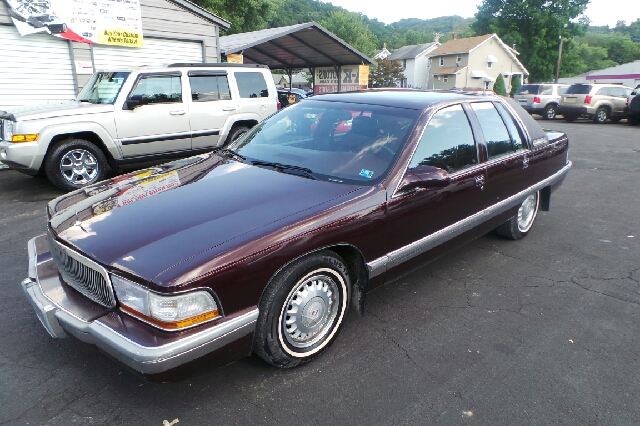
{"points": [[576, 281]]}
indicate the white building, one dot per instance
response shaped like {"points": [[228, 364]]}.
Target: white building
{"points": [[625, 74], [415, 62]]}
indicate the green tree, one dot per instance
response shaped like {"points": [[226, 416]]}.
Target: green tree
{"points": [[499, 87], [515, 84], [385, 74], [352, 28], [244, 15], [534, 26], [578, 58]]}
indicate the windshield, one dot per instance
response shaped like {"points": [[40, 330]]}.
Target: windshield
{"points": [[578, 89], [528, 89], [103, 88], [339, 142]]}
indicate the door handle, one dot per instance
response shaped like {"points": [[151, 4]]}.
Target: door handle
{"points": [[479, 180], [229, 108], [176, 112]]}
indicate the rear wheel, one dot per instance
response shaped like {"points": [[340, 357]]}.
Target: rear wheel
{"points": [[601, 116], [75, 163], [519, 225], [549, 112], [302, 310]]}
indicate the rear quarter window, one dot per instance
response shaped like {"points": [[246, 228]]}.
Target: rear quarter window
{"points": [[252, 85]]}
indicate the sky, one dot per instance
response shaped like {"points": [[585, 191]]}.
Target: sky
{"points": [[601, 12]]}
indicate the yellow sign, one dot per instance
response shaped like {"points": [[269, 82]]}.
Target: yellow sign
{"points": [[120, 37], [235, 58], [364, 75]]}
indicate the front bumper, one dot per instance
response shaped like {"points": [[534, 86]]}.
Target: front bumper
{"points": [[22, 157], [63, 311]]}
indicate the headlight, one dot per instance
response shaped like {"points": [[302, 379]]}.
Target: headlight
{"points": [[169, 312], [7, 130]]}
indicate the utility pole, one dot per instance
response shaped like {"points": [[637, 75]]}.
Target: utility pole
{"points": [[559, 60]]}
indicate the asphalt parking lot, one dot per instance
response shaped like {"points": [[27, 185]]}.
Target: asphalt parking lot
{"points": [[540, 331]]}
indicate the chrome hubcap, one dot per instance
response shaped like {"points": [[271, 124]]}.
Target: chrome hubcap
{"points": [[527, 212], [79, 167], [310, 311], [602, 116], [551, 113]]}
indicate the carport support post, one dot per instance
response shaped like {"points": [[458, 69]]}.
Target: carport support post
{"points": [[339, 72], [313, 79], [290, 73]]}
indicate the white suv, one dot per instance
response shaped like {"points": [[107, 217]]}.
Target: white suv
{"points": [[130, 116]]}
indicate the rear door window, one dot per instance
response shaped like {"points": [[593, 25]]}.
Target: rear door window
{"points": [[546, 90], [252, 85], [206, 88], [494, 130]]}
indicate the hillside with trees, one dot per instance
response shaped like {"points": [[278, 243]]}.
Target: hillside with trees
{"points": [[534, 27]]}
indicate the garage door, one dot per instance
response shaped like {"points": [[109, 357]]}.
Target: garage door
{"points": [[155, 52], [34, 69]]}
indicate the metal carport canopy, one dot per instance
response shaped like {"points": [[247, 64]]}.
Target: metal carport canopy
{"points": [[306, 45]]}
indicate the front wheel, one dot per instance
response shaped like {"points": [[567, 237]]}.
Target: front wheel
{"points": [[75, 163], [549, 112], [236, 133], [519, 225], [302, 310]]}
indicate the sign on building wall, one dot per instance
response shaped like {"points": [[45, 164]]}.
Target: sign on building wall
{"points": [[352, 78], [112, 22]]}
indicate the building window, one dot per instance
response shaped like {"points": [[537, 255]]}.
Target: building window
{"points": [[446, 79], [486, 85], [459, 59], [442, 61], [489, 65], [404, 64]]}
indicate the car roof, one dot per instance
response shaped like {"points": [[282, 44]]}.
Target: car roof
{"points": [[402, 98]]}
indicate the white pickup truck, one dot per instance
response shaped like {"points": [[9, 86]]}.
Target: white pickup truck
{"points": [[131, 116]]}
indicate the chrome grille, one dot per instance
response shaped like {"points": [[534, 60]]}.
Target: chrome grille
{"points": [[82, 274]]}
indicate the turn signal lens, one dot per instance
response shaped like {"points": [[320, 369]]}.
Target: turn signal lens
{"points": [[169, 312], [587, 99], [24, 138], [536, 100]]}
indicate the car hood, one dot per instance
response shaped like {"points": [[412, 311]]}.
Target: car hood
{"points": [[146, 222], [50, 110]]}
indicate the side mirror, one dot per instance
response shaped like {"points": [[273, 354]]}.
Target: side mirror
{"points": [[424, 177], [136, 101]]}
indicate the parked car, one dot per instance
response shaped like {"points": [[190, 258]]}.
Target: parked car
{"points": [[265, 246], [541, 99], [132, 116], [633, 111], [284, 96], [597, 101]]}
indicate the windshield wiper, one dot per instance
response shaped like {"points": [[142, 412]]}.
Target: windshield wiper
{"points": [[308, 173], [233, 154]]}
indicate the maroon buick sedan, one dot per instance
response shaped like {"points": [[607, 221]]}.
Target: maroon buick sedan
{"points": [[265, 246]]}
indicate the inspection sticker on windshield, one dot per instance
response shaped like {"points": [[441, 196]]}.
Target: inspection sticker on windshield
{"points": [[366, 173]]}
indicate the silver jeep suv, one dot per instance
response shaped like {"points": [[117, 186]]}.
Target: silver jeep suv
{"points": [[596, 101], [131, 116], [541, 99]]}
